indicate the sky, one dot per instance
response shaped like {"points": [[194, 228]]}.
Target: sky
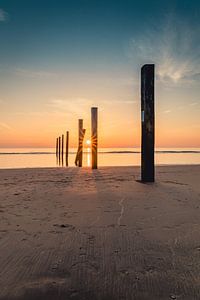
{"points": [[58, 58]]}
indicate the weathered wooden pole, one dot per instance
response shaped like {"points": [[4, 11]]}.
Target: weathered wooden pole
{"points": [[79, 155], [59, 146], [57, 150], [94, 136], [147, 116], [80, 142], [62, 149], [67, 148], [56, 147]]}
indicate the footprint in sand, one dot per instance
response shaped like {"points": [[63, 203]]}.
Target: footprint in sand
{"points": [[70, 227]]}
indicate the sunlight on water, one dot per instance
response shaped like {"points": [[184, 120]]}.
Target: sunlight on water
{"points": [[88, 157], [23, 158]]}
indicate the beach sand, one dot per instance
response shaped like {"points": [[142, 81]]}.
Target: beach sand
{"points": [[71, 233]]}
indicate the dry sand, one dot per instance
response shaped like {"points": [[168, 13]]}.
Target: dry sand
{"points": [[81, 234]]}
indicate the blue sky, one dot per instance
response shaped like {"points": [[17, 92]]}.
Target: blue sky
{"points": [[81, 32], [57, 58]]}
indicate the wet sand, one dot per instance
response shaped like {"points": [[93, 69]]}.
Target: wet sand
{"points": [[81, 234]]}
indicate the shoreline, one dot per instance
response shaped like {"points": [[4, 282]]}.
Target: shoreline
{"points": [[100, 167]]}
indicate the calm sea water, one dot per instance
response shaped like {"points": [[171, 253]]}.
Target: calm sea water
{"points": [[45, 157]]}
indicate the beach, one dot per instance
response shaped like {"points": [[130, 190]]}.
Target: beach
{"points": [[77, 233]]}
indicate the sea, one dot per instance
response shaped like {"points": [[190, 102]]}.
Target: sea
{"points": [[46, 157]]}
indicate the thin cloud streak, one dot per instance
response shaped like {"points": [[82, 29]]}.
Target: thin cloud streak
{"points": [[34, 74], [193, 104], [3, 15], [4, 126], [74, 106]]}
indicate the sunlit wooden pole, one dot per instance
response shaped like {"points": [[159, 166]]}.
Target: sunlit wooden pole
{"points": [[80, 142], [67, 148], [94, 136], [147, 118]]}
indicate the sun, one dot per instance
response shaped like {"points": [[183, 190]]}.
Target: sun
{"points": [[88, 142]]}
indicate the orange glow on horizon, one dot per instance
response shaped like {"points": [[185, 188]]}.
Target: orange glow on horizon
{"points": [[119, 125]]}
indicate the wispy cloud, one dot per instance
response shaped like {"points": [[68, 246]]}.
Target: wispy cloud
{"points": [[187, 106], [4, 126], [80, 106], [3, 15], [194, 104], [33, 73], [120, 81], [166, 111], [73, 106], [174, 48], [124, 102]]}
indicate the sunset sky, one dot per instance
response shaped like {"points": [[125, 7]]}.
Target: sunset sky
{"points": [[59, 58]]}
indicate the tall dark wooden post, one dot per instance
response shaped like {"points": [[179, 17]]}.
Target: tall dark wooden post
{"points": [[62, 149], [67, 148], [94, 136], [147, 116], [80, 142], [59, 146]]}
